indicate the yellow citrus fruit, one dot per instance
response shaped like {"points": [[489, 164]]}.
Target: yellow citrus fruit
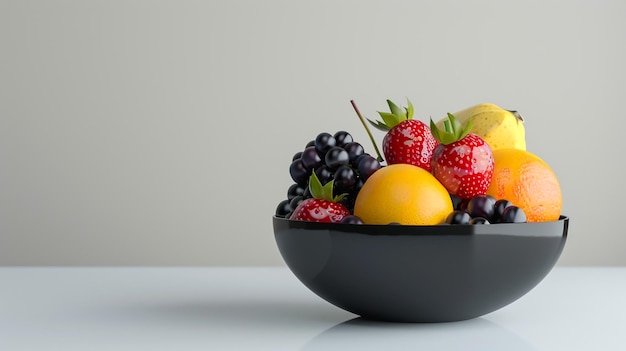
{"points": [[404, 194], [528, 182]]}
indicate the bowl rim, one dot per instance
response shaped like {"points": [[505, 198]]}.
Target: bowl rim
{"points": [[529, 228]]}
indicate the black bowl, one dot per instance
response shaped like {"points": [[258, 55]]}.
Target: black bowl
{"points": [[436, 273]]}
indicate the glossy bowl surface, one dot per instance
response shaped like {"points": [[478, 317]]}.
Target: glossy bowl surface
{"points": [[420, 273]]}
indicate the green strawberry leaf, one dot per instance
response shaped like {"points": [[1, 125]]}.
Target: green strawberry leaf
{"points": [[315, 186], [327, 190], [339, 197], [390, 119], [435, 130], [409, 110], [395, 109], [393, 118], [379, 125], [454, 130], [323, 192], [468, 128], [456, 127]]}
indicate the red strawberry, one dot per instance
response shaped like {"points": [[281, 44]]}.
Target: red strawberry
{"points": [[323, 207], [462, 161], [407, 140]]}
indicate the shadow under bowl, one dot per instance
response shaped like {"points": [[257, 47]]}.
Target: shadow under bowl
{"points": [[438, 273]]}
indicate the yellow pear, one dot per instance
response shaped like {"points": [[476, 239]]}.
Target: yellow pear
{"points": [[500, 128]]}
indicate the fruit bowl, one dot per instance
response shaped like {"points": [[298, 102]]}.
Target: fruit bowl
{"points": [[406, 273]]}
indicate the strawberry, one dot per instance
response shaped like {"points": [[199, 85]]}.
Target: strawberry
{"points": [[323, 207], [407, 140], [462, 162]]}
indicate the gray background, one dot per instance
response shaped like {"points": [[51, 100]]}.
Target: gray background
{"points": [[160, 132]]}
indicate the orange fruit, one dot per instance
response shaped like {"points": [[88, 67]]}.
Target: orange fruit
{"points": [[528, 182], [404, 194]]}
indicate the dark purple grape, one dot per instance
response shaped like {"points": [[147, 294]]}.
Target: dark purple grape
{"points": [[458, 217], [513, 214], [358, 185], [296, 156], [310, 143], [456, 201], [479, 220], [499, 207], [342, 138], [351, 219], [324, 173], [296, 201], [345, 178], [367, 165], [311, 159], [323, 143], [347, 200], [336, 156], [463, 204], [481, 206], [295, 190], [283, 208], [298, 172], [354, 150], [356, 161]]}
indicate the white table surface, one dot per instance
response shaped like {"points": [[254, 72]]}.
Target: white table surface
{"points": [[269, 309]]}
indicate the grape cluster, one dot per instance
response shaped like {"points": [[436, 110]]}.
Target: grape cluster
{"points": [[484, 209], [334, 157]]}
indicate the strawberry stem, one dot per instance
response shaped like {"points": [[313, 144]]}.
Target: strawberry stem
{"points": [[369, 133]]}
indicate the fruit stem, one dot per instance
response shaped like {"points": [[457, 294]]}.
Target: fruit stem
{"points": [[369, 133], [517, 115]]}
